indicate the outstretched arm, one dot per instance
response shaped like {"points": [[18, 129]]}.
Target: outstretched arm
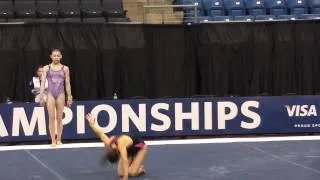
{"points": [[97, 130]]}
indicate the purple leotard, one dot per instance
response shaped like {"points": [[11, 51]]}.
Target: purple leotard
{"points": [[55, 82]]}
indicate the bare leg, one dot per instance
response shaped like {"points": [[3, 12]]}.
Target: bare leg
{"points": [[51, 111], [137, 167], [60, 106]]}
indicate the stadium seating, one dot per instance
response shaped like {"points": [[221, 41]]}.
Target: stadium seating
{"points": [[214, 7], [277, 7], [256, 7], [314, 6], [243, 18], [235, 7], [265, 17], [25, 8], [113, 11], [61, 10], [257, 10], [47, 8], [287, 17], [222, 18], [297, 7], [310, 16], [6, 10], [91, 8], [92, 11]]}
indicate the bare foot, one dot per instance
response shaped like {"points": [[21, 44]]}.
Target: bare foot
{"points": [[53, 143], [59, 143], [142, 170]]}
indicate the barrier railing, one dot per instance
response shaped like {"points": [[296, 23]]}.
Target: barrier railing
{"points": [[170, 13]]}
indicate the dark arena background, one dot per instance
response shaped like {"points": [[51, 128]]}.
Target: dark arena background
{"points": [[218, 89]]}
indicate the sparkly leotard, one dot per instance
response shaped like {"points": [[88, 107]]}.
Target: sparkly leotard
{"points": [[55, 82]]}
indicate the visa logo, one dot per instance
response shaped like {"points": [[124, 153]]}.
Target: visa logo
{"points": [[301, 110]]}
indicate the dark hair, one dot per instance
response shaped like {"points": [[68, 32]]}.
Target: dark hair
{"points": [[56, 50], [36, 69], [111, 155]]}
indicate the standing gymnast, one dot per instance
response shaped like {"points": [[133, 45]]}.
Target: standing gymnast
{"points": [[58, 77], [132, 151]]}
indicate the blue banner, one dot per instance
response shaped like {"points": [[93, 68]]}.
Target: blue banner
{"points": [[166, 117]]}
